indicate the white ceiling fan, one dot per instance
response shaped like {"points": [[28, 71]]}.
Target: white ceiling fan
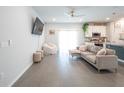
{"points": [[72, 12]]}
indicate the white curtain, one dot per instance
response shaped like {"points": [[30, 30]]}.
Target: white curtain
{"points": [[67, 40]]}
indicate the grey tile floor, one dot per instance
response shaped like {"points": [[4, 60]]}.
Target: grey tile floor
{"points": [[64, 71]]}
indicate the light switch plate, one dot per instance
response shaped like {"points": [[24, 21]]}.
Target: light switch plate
{"points": [[4, 44], [9, 42]]}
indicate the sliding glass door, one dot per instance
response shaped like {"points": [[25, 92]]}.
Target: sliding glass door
{"points": [[67, 40]]}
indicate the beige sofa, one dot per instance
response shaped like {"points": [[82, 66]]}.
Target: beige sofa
{"points": [[99, 57]]}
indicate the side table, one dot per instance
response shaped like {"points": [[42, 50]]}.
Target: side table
{"points": [[36, 57]]}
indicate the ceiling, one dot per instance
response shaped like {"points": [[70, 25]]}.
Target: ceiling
{"points": [[56, 14]]}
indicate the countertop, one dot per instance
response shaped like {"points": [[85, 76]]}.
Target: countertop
{"points": [[115, 44]]}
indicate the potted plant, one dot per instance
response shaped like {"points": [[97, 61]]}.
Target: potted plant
{"points": [[85, 27]]}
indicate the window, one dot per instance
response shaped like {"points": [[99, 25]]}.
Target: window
{"points": [[67, 40]]}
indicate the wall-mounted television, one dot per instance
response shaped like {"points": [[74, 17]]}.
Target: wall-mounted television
{"points": [[37, 27]]}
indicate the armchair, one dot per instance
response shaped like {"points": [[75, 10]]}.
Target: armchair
{"points": [[49, 49]]}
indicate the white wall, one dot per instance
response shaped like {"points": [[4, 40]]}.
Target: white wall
{"points": [[115, 29], [108, 34], [16, 25], [63, 26]]}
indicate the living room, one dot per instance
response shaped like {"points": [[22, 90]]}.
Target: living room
{"points": [[67, 28]]}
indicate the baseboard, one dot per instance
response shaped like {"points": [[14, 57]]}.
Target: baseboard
{"points": [[20, 75], [120, 60]]}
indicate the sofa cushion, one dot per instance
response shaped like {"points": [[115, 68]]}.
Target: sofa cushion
{"points": [[91, 58], [83, 48], [89, 47], [97, 48], [87, 53], [102, 52], [110, 52], [93, 48]]}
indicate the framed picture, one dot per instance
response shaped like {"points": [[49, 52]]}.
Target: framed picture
{"points": [[51, 32]]}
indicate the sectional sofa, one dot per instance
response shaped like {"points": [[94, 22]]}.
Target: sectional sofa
{"points": [[101, 58]]}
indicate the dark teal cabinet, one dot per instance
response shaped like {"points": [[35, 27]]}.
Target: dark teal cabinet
{"points": [[119, 50]]}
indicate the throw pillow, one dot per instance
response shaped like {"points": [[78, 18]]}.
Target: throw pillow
{"points": [[89, 47], [110, 52], [83, 48], [97, 48], [94, 49], [102, 52]]}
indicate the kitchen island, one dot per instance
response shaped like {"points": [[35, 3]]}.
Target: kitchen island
{"points": [[119, 48]]}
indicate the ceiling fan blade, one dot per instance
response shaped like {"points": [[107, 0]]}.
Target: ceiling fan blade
{"points": [[73, 13], [79, 15]]}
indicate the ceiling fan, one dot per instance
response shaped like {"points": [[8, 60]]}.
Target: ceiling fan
{"points": [[72, 12]]}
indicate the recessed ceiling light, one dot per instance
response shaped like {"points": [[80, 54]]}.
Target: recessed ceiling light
{"points": [[107, 18], [54, 19]]}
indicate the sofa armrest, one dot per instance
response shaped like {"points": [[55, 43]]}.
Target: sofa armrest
{"points": [[106, 61]]}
